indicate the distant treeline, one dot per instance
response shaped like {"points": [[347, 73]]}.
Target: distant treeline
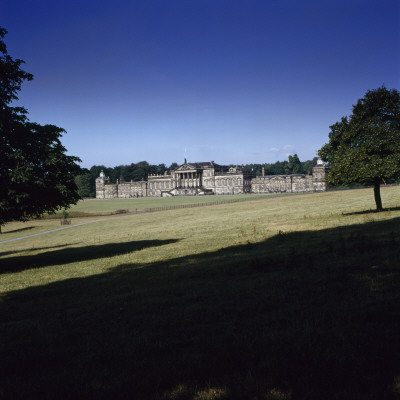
{"points": [[140, 171], [292, 166]]}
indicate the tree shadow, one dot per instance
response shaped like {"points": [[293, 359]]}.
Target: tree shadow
{"points": [[371, 211], [75, 254], [27, 228], [5, 253], [310, 314]]}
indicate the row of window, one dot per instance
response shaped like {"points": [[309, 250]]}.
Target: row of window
{"points": [[207, 183], [227, 182], [277, 186], [271, 185], [226, 190], [161, 185]]}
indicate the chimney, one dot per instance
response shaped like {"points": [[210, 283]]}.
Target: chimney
{"points": [[263, 171]]}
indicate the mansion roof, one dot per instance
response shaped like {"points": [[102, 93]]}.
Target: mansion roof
{"points": [[210, 165], [200, 165]]}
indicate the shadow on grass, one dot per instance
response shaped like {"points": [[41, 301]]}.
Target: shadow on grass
{"points": [[5, 253], [372, 211], [27, 228], [305, 315], [75, 254]]}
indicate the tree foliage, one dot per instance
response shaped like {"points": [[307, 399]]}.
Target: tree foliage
{"points": [[84, 185], [292, 166], [365, 147], [36, 176]]}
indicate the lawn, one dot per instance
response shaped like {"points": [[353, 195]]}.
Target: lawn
{"points": [[292, 297], [96, 206]]}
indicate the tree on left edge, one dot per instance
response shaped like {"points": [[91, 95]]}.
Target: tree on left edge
{"points": [[36, 175]]}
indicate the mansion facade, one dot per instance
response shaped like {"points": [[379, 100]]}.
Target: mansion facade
{"points": [[209, 178]]}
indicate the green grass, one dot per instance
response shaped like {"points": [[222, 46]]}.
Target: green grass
{"points": [[94, 205], [283, 298], [98, 206]]}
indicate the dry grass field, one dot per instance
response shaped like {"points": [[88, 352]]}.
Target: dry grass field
{"points": [[292, 297]]}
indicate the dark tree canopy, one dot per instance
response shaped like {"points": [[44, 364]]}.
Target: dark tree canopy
{"points": [[294, 165], [365, 147], [84, 184], [36, 176], [11, 75]]}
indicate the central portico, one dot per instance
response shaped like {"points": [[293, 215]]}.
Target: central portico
{"points": [[200, 178], [188, 175]]}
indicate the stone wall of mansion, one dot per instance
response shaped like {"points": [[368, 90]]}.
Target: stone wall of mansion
{"points": [[209, 178]]}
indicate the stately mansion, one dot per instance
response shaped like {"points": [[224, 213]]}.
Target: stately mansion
{"points": [[209, 178]]}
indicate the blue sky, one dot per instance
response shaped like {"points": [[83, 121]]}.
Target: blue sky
{"points": [[230, 81]]}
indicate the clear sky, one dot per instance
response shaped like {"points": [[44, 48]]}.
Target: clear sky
{"points": [[231, 81]]}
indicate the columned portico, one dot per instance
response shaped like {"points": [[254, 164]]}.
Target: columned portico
{"points": [[188, 179]]}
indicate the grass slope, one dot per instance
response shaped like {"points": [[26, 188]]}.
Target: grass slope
{"points": [[285, 298], [140, 203]]}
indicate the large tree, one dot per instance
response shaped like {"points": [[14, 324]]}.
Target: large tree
{"points": [[294, 165], [365, 147], [36, 175]]}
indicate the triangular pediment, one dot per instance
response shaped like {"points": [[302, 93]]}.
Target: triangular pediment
{"points": [[186, 167], [197, 166]]}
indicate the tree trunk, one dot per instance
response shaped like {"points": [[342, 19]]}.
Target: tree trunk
{"points": [[377, 194]]}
